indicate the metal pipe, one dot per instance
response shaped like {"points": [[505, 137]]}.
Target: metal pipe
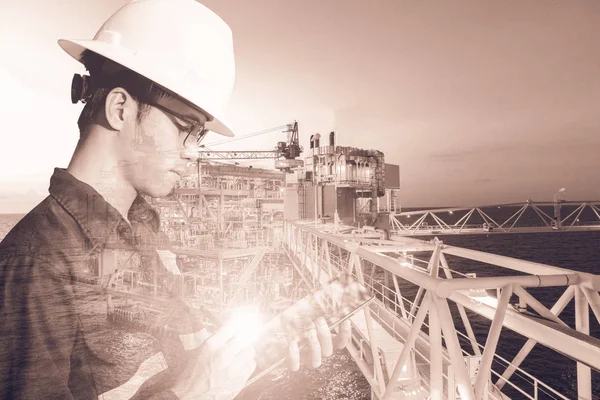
{"points": [[407, 347], [541, 212], [413, 307], [518, 265], [305, 261], [418, 222], [399, 296], [441, 222], [490, 218], [391, 265], [578, 214], [397, 249], [558, 307], [462, 377], [373, 344], [595, 210], [466, 220], [582, 324], [519, 217], [461, 310], [435, 356], [483, 376], [484, 217], [521, 210], [565, 341], [574, 211], [372, 339], [594, 301], [536, 305], [540, 216], [461, 218], [433, 261], [328, 258], [446, 287]]}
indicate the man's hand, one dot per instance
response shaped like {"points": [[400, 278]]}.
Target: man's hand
{"points": [[321, 343], [221, 369]]}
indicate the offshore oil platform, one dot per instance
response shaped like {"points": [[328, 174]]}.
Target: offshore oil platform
{"points": [[233, 236]]}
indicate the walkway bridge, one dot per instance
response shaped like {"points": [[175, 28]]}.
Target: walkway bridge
{"points": [[419, 337], [528, 217]]}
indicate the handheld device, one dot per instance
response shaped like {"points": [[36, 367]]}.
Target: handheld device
{"points": [[335, 301]]}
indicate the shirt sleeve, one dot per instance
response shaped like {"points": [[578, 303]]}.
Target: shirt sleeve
{"points": [[158, 388], [38, 327]]}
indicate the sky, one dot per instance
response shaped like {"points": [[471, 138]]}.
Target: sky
{"points": [[478, 102]]}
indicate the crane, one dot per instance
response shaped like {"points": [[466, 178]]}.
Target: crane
{"points": [[285, 153]]}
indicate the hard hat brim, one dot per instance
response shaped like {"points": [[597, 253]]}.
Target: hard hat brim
{"points": [[75, 48]]}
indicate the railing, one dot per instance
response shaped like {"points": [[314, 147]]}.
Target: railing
{"points": [[426, 222], [388, 296], [400, 261]]}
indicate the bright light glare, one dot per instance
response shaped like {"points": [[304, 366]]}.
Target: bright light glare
{"points": [[480, 296], [247, 321], [478, 293]]}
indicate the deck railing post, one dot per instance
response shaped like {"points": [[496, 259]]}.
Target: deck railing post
{"points": [[435, 356], [582, 324], [483, 376], [407, 347], [459, 367]]}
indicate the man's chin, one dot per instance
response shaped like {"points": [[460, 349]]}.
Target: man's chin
{"points": [[158, 192]]}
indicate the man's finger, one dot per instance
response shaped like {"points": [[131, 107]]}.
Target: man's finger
{"points": [[344, 335], [293, 356], [324, 336], [315, 348]]}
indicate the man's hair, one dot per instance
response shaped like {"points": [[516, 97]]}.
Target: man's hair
{"points": [[106, 75]]}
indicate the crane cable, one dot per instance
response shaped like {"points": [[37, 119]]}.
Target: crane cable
{"points": [[249, 135]]}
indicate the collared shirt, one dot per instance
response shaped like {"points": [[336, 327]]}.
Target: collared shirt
{"points": [[56, 341]]}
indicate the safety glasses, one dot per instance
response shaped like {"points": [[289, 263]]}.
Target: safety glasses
{"points": [[196, 131]]}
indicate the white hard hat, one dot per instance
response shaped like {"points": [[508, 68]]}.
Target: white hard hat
{"points": [[179, 44]]}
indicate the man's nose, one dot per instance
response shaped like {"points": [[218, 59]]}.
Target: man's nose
{"points": [[190, 153]]}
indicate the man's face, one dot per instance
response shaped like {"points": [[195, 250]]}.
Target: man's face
{"points": [[152, 150]]}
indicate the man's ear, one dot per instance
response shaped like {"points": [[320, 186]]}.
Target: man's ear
{"points": [[119, 106]]}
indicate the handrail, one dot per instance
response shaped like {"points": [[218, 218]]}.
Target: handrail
{"points": [[340, 246]]}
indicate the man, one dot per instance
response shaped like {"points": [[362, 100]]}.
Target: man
{"points": [[160, 75]]}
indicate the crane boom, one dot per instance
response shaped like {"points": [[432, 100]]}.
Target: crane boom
{"points": [[238, 155], [285, 154]]}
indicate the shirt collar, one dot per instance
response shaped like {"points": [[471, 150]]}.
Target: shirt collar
{"points": [[100, 221]]}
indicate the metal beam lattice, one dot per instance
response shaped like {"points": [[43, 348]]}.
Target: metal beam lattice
{"points": [[389, 336]]}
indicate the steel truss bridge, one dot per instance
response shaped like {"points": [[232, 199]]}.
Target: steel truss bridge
{"points": [[525, 217], [418, 337]]}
